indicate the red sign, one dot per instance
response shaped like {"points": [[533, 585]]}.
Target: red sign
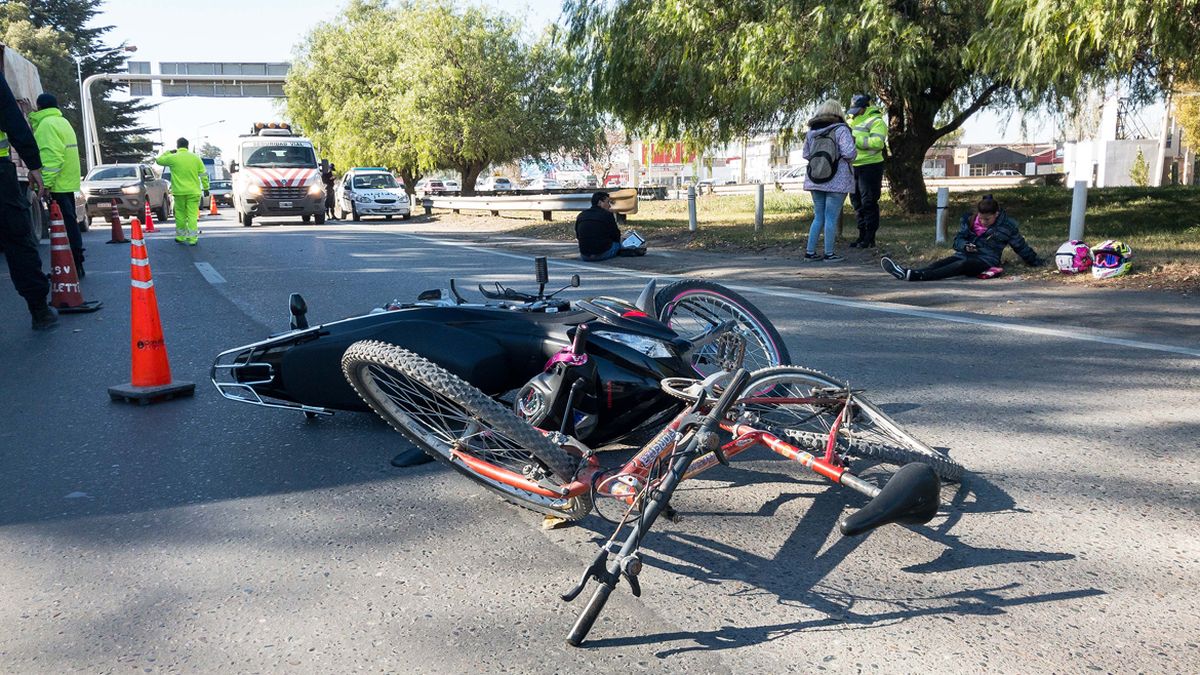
{"points": [[665, 153]]}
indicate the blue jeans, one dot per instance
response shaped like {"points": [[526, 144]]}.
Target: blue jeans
{"points": [[610, 253], [827, 210]]}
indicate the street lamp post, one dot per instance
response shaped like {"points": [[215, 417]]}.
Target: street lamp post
{"points": [[207, 124], [87, 132]]}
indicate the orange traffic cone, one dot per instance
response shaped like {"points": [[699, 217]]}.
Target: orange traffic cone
{"points": [[64, 282], [151, 381], [212, 206], [118, 235], [149, 219]]}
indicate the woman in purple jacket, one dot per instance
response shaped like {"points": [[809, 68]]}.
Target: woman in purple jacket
{"points": [[829, 177]]}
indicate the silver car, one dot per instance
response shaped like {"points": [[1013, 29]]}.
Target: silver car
{"points": [[370, 192], [130, 186]]}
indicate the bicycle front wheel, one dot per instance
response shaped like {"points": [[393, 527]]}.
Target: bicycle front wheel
{"points": [[691, 307], [449, 418], [803, 405]]}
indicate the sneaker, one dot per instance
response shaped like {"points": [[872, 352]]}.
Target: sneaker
{"points": [[832, 257], [811, 256], [893, 269], [180, 240], [856, 243], [191, 241], [44, 317]]}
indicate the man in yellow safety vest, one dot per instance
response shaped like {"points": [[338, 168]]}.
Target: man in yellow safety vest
{"points": [[870, 139], [60, 166], [189, 181]]}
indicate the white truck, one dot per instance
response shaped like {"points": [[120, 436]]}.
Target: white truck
{"points": [[276, 174], [26, 84]]}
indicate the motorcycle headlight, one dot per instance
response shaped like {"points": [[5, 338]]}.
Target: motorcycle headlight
{"points": [[316, 190], [254, 189], [656, 349], [131, 189]]}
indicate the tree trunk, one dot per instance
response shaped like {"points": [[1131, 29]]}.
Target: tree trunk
{"points": [[906, 182], [470, 174], [410, 179]]}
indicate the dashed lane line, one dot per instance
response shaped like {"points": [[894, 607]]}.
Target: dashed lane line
{"points": [[210, 274]]}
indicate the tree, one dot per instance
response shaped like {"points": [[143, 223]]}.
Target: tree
{"points": [[428, 86], [715, 72], [1187, 113], [1139, 173], [209, 150], [25, 25]]}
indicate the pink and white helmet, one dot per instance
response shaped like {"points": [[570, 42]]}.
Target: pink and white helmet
{"points": [[1073, 257]]}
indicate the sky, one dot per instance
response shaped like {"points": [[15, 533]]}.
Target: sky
{"points": [[268, 30]]}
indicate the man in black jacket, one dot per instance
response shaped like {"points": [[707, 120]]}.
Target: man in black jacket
{"points": [[16, 230], [596, 230]]}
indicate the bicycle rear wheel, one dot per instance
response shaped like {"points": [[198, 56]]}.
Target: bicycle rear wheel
{"points": [[691, 307], [447, 417], [772, 401]]}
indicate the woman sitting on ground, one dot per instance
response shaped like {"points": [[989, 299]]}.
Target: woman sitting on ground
{"points": [[982, 238]]}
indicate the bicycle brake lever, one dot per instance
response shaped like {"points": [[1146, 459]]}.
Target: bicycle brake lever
{"points": [[598, 569]]}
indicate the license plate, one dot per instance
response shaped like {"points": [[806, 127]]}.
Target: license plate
{"points": [[285, 205]]}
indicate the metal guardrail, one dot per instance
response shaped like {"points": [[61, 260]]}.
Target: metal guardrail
{"points": [[625, 201]]}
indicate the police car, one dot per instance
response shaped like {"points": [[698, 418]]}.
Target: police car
{"points": [[370, 191]]}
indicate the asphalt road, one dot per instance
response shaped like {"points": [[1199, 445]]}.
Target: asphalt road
{"points": [[206, 535]]}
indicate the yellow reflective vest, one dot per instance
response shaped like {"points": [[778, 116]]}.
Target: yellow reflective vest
{"points": [[870, 135]]}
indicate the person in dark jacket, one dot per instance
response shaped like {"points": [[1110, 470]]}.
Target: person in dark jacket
{"points": [[596, 230], [979, 246], [16, 229], [328, 177]]}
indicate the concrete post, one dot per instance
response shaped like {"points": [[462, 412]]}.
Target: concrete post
{"points": [[691, 208], [428, 204], [1078, 207], [943, 203], [758, 209]]}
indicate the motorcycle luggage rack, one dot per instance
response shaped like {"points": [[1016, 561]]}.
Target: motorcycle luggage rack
{"points": [[243, 391]]}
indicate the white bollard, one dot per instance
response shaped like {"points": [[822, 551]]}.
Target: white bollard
{"points": [[692, 208], [1078, 207], [758, 209], [943, 203]]}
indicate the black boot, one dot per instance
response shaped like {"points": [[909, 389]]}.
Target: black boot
{"points": [[412, 457], [857, 243], [44, 317]]}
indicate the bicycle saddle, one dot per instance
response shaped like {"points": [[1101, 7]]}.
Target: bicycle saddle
{"points": [[910, 497]]}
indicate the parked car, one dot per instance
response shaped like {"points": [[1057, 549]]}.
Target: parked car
{"points": [[613, 182], [41, 226], [131, 186], [495, 184], [220, 183], [540, 183], [370, 192], [1005, 172], [452, 186], [430, 186]]}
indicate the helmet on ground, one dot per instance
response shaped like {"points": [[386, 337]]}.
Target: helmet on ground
{"points": [[1073, 257], [1111, 259]]}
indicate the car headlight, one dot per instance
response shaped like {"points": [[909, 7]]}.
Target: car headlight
{"points": [[131, 189], [316, 190], [656, 349], [402, 199], [254, 189], [363, 199]]}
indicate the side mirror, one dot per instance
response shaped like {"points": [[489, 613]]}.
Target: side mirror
{"points": [[233, 166], [574, 281]]}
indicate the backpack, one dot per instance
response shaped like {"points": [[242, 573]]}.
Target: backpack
{"points": [[825, 155]]}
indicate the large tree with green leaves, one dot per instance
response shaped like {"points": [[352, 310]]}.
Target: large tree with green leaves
{"points": [[428, 85], [49, 33], [710, 71]]}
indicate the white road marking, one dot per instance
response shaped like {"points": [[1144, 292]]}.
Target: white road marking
{"points": [[1075, 333], [209, 273]]}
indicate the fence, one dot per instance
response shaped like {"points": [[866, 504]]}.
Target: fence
{"points": [[625, 201]]}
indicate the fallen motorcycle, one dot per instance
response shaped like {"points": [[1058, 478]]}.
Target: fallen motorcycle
{"points": [[518, 347]]}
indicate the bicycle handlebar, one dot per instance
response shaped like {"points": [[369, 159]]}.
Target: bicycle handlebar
{"points": [[589, 614]]}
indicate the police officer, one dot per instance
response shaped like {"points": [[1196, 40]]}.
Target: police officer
{"points": [[870, 139], [60, 166], [16, 230]]}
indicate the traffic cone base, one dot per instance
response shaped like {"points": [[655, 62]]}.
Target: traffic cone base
{"points": [[151, 372], [65, 295], [130, 393]]}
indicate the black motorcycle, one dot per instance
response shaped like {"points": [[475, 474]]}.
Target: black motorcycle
{"points": [[590, 368]]}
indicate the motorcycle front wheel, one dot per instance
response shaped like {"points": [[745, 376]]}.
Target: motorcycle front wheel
{"points": [[449, 418], [691, 307]]}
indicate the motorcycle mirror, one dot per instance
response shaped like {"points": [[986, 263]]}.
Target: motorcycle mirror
{"points": [[541, 270], [299, 311], [574, 281], [645, 301]]}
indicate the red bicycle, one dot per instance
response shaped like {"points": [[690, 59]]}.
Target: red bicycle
{"points": [[798, 413]]}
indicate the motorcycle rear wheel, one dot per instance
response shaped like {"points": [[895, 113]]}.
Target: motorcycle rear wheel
{"points": [[445, 416], [691, 306]]}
